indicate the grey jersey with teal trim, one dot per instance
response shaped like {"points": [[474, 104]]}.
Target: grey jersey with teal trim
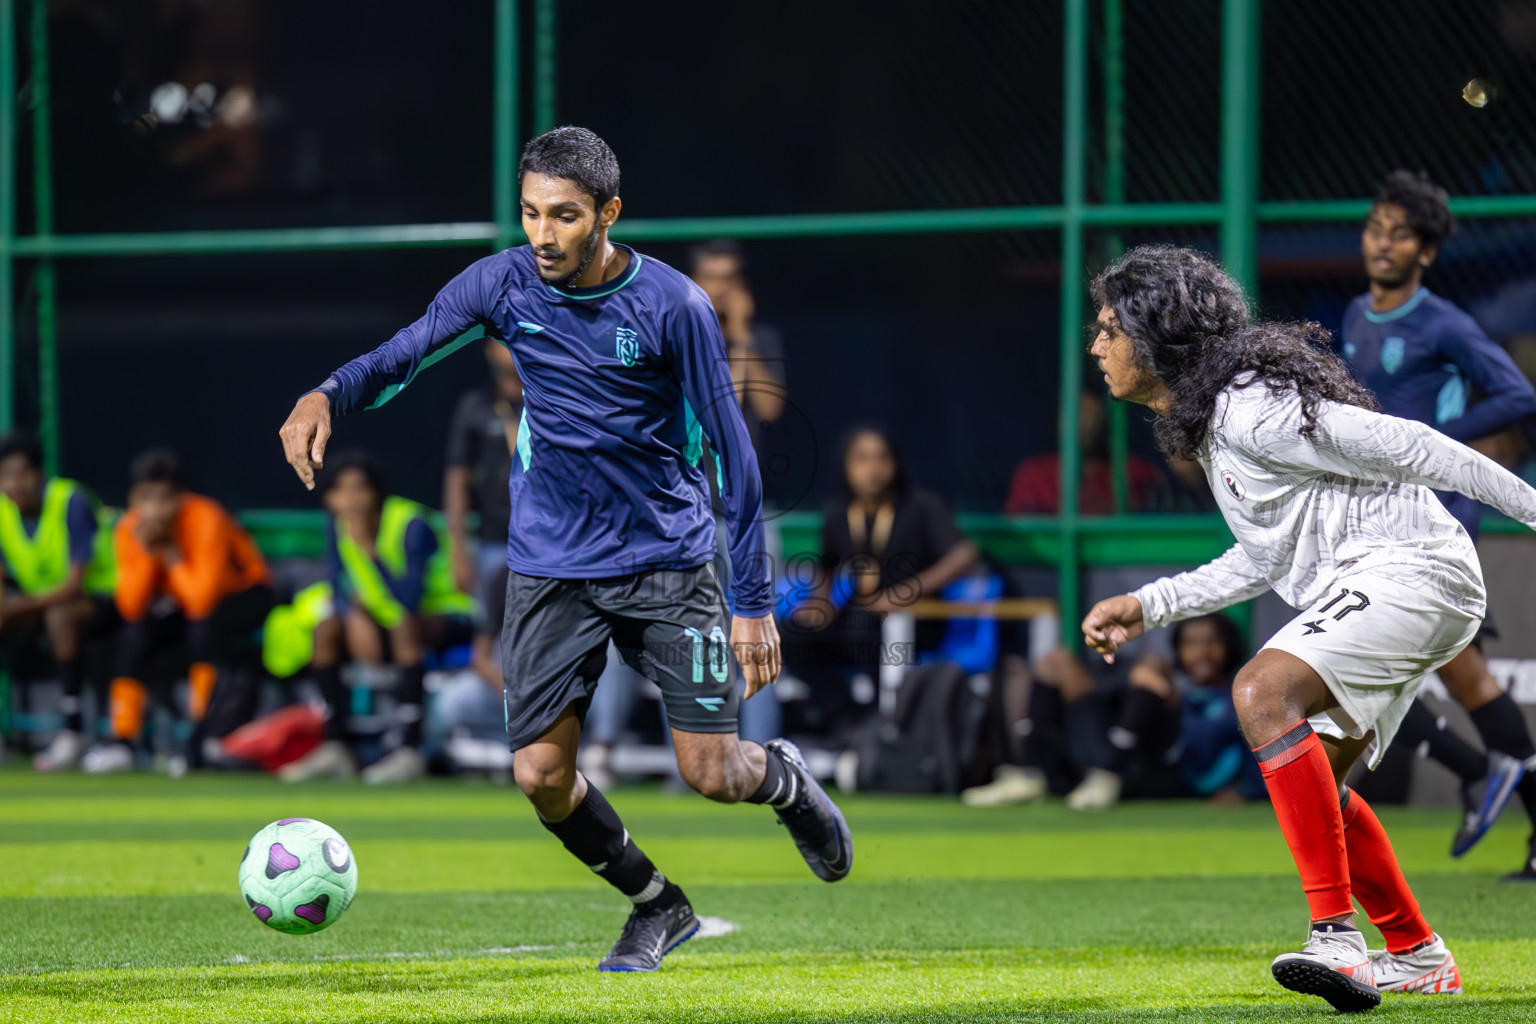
{"points": [[622, 382]]}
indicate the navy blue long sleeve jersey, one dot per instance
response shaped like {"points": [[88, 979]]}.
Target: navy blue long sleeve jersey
{"points": [[622, 382], [1422, 360]]}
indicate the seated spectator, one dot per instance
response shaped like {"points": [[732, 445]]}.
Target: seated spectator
{"points": [[394, 600], [191, 585], [1036, 484], [1175, 731], [885, 544], [56, 550]]}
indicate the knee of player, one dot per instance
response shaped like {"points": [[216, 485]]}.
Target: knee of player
{"points": [[541, 778]]}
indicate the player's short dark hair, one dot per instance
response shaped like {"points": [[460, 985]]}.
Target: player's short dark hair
{"points": [[157, 466], [1423, 202], [575, 154], [362, 462], [713, 248], [1226, 631], [1191, 328], [25, 445]]}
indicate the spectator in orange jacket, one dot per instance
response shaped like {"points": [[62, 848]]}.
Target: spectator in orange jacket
{"points": [[189, 578]]}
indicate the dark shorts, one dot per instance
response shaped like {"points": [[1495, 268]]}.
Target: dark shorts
{"points": [[671, 625]]}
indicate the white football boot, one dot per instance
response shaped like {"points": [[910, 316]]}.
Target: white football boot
{"points": [[62, 753], [1335, 965], [1099, 791], [1010, 785], [1428, 968], [330, 760], [403, 764]]}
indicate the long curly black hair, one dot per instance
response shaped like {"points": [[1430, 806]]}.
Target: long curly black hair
{"points": [[1192, 331]]}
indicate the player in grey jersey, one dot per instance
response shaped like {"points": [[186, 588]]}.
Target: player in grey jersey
{"points": [[1331, 506]]}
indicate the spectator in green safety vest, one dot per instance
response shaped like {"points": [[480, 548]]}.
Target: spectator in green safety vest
{"points": [[56, 549], [395, 599]]}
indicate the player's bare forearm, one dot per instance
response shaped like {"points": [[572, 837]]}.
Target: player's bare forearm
{"points": [[305, 434], [755, 642]]}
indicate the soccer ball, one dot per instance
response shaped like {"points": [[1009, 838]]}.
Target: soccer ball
{"points": [[298, 875]]}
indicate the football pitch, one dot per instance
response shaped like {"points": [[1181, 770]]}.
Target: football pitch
{"points": [[118, 902]]}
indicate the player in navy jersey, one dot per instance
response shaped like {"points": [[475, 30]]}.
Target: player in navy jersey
{"points": [[1422, 356], [624, 376]]}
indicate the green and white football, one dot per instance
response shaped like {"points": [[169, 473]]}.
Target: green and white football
{"points": [[298, 875]]}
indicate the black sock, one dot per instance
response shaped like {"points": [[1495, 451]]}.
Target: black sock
{"points": [[1501, 724], [777, 786], [1139, 714], [337, 698], [596, 837], [411, 696], [1421, 728], [69, 702], [1044, 722]]}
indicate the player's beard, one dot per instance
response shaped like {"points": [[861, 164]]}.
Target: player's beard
{"points": [[588, 254]]}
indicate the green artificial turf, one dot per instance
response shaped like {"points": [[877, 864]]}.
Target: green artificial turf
{"points": [[118, 902]]}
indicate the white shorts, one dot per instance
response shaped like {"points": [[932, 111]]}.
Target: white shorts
{"points": [[1373, 639]]}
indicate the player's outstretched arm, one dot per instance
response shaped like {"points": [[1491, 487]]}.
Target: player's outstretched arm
{"points": [[305, 434], [1364, 445], [373, 378], [1213, 586], [704, 375]]}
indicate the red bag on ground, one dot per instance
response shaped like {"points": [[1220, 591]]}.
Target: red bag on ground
{"points": [[278, 739]]}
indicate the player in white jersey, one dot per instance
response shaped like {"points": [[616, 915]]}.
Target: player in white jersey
{"points": [[1331, 506]]}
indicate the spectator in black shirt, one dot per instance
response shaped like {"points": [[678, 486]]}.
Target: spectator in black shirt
{"points": [[481, 443], [884, 544]]}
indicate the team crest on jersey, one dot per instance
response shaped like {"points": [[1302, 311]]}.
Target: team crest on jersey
{"points": [[1233, 485], [628, 346], [1392, 354]]}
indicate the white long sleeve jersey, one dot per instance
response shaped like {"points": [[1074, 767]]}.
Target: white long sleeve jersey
{"points": [[1354, 495]]}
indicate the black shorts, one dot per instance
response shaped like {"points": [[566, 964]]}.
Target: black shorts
{"points": [[671, 625]]}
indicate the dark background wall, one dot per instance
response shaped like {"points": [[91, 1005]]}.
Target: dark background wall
{"points": [[379, 114]]}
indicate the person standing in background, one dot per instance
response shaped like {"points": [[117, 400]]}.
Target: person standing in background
{"points": [[1421, 355], [754, 349], [481, 443]]}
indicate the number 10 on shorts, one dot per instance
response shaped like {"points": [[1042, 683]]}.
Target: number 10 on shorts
{"points": [[718, 658]]}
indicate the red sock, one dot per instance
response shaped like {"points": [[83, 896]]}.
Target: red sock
{"points": [[1306, 800], [1376, 879]]}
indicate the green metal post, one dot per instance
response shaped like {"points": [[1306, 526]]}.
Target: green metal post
{"points": [[1240, 111], [1114, 193], [505, 134], [543, 65], [42, 196], [1074, 140], [7, 213]]}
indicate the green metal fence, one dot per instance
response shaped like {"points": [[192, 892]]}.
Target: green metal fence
{"points": [[1069, 541]]}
